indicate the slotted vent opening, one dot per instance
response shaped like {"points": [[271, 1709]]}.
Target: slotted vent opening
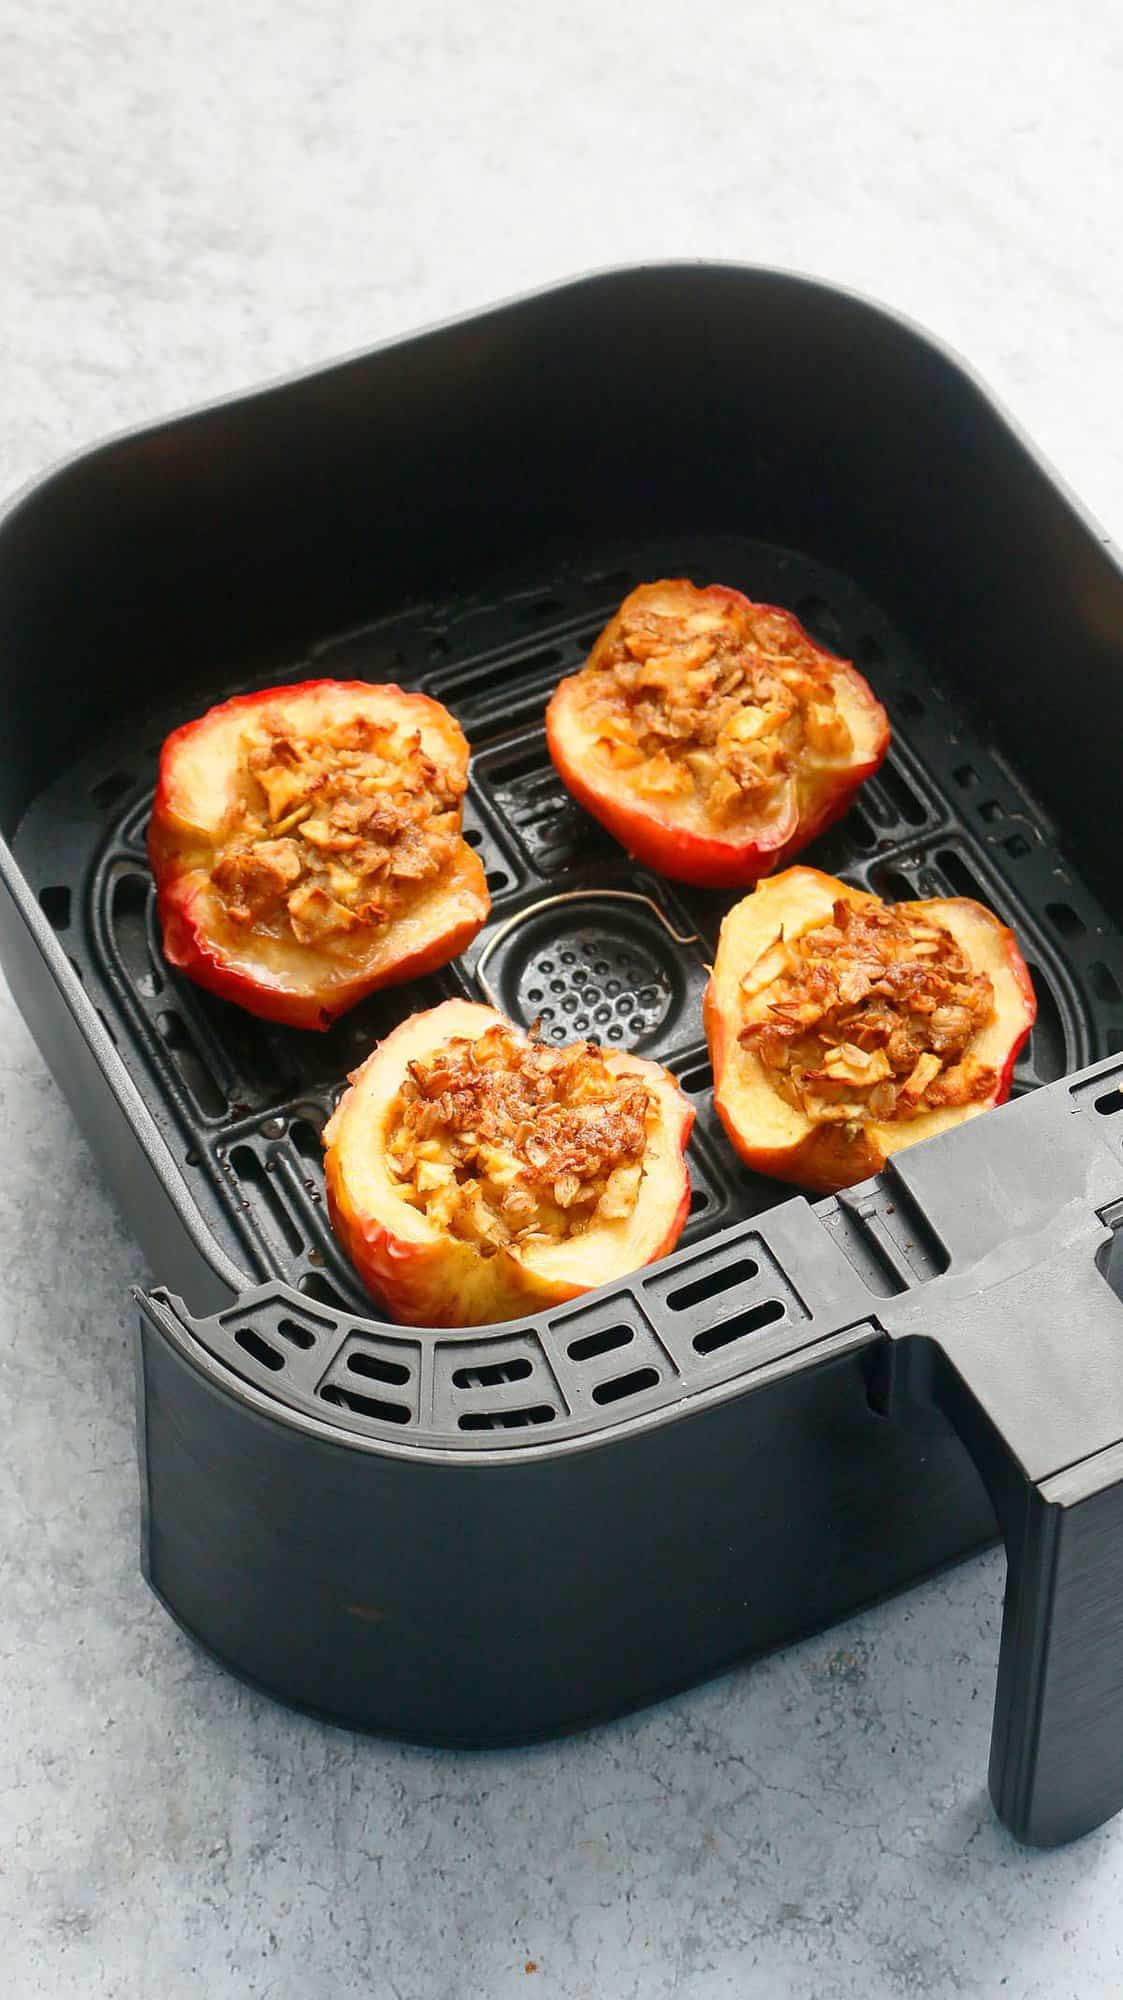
{"points": [[697, 1079], [626, 1385], [712, 1284], [713, 1337], [604, 1341], [377, 1368], [1105, 986], [254, 1175], [300, 1336], [506, 1420], [192, 1069], [54, 901], [892, 781], [962, 879], [128, 909], [1065, 919], [314, 1286], [492, 1374], [253, 1344], [366, 1406]]}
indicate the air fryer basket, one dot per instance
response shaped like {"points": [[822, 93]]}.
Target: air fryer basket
{"points": [[488, 1535]]}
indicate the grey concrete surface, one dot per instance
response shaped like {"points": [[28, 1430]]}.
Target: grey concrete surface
{"points": [[192, 198]]}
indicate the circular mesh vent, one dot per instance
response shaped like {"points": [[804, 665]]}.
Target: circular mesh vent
{"points": [[591, 967], [587, 982]]}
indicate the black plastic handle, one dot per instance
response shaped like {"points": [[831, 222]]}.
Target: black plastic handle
{"points": [[1021, 1351]]}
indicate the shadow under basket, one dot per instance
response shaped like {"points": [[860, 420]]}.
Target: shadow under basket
{"points": [[487, 1536]]}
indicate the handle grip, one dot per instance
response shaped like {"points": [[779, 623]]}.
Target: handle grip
{"points": [[1020, 1349]]}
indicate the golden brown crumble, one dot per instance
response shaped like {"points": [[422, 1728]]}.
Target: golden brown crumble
{"points": [[722, 712], [870, 1016], [335, 831], [499, 1141]]}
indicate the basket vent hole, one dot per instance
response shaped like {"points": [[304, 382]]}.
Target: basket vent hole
{"points": [[305, 1137], [713, 1337], [1065, 919], [376, 1368], [253, 1173], [626, 1385], [314, 1286], [896, 788], [129, 920], [962, 879], [366, 1406], [862, 836], [605, 1340], [109, 789], [695, 1081], [990, 810], [492, 1374], [190, 1064], [472, 835], [55, 905], [895, 886], [910, 704], [507, 1420], [699, 1200], [497, 879], [1110, 1103], [300, 1336], [869, 652], [966, 777], [1105, 986], [1017, 846], [253, 1344], [714, 1282]]}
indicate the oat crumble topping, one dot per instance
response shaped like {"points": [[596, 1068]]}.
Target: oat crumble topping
{"points": [[335, 831], [869, 1016], [719, 711], [500, 1141]]}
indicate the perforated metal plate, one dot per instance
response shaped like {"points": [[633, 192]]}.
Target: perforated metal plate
{"points": [[579, 938]]}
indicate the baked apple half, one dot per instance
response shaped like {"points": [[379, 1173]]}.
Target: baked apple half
{"points": [[711, 735], [475, 1173], [842, 1028], [306, 847]]}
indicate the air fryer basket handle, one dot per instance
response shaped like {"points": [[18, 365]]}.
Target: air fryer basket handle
{"points": [[1029, 1371]]}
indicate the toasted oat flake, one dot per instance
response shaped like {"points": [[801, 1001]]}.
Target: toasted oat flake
{"points": [[714, 705], [869, 1016], [333, 833], [502, 1141]]}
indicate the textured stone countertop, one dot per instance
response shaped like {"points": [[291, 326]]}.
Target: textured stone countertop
{"points": [[192, 198]]}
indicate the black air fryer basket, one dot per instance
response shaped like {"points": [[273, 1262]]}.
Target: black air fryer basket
{"points": [[486, 1536]]}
